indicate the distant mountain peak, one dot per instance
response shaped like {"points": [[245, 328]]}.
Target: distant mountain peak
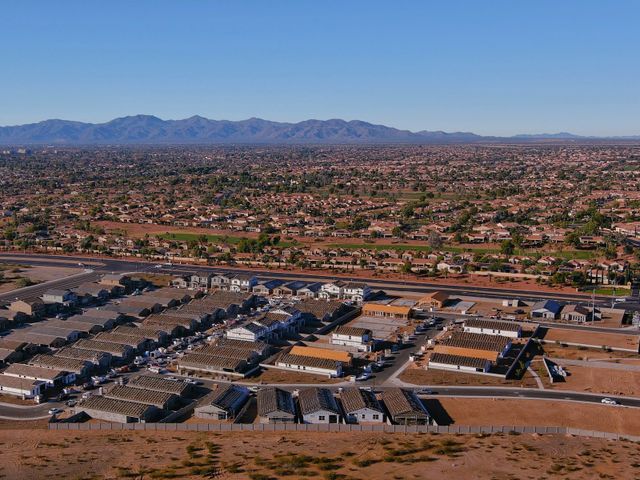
{"points": [[148, 129]]}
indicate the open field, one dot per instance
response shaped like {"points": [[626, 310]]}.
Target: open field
{"points": [[17, 276], [600, 380], [595, 339], [273, 375], [262, 456], [420, 376], [483, 411], [584, 353]]}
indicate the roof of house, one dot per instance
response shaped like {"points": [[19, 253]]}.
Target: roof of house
{"points": [[477, 341], [316, 399], [20, 369], [15, 382], [550, 305], [311, 362], [202, 360], [492, 325], [380, 307], [140, 395], [400, 401], [113, 405], [272, 400], [463, 361], [102, 346], [325, 353], [354, 399], [60, 363], [159, 384], [352, 331], [225, 397]]}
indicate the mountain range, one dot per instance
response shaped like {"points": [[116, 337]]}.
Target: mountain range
{"points": [[149, 130]]}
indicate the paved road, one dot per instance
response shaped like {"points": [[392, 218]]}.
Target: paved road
{"points": [[24, 412], [123, 265], [36, 291]]}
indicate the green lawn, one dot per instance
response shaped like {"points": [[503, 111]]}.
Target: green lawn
{"points": [[187, 237], [219, 239], [614, 292]]}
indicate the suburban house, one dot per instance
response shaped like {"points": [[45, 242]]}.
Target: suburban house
{"points": [[318, 405], [223, 403], [404, 407], [20, 387], [51, 377], [360, 338], [361, 406], [493, 327], [242, 282], [445, 361], [546, 309], [275, 406], [580, 314], [117, 410], [33, 307], [434, 300], [356, 292], [66, 298], [332, 290], [382, 310]]}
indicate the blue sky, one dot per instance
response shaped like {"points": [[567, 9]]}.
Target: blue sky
{"points": [[492, 67]]}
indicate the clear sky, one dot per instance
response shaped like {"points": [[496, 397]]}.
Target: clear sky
{"points": [[491, 67]]}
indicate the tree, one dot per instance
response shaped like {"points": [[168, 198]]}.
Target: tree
{"points": [[434, 240], [507, 247]]}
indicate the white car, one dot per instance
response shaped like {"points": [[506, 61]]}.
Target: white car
{"points": [[609, 401], [53, 411]]}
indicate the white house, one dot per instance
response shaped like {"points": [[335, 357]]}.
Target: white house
{"points": [[248, 332], [242, 282], [318, 405], [493, 327], [359, 338], [300, 363], [445, 361], [332, 289], [361, 406], [20, 387], [356, 291]]}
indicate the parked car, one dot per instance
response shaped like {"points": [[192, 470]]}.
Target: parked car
{"points": [[54, 411]]}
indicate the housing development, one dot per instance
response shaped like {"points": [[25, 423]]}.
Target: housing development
{"points": [[341, 291]]}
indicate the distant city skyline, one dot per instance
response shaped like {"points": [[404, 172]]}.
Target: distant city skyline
{"points": [[492, 68]]}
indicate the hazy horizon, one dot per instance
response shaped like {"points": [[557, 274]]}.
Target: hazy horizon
{"points": [[500, 68]]}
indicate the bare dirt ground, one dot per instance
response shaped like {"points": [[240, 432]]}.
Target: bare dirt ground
{"points": [[482, 411], [614, 340], [584, 353], [420, 376], [29, 454], [282, 376], [36, 274], [600, 380]]}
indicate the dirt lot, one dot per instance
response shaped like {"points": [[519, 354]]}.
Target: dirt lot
{"points": [[12, 273], [600, 380], [247, 455], [481, 411], [282, 376], [420, 376], [584, 353], [596, 339]]}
